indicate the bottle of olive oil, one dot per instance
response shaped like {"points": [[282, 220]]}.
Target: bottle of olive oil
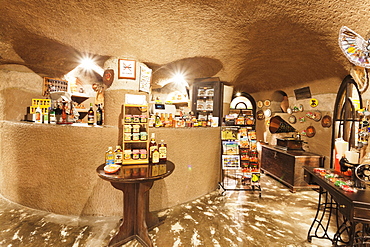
{"points": [[109, 156]]}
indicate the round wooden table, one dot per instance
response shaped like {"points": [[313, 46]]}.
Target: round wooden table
{"points": [[135, 181]]}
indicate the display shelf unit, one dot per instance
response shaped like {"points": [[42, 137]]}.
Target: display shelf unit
{"points": [[207, 98], [240, 166], [135, 133]]}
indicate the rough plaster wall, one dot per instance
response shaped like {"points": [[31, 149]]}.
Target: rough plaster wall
{"points": [[196, 154], [18, 85]]}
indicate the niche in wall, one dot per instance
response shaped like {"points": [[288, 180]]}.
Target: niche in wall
{"points": [[279, 101]]}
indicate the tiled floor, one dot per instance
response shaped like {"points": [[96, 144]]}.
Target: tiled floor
{"points": [[235, 218]]}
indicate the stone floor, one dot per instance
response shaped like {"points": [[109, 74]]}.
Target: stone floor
{"points": [[234, 218]]}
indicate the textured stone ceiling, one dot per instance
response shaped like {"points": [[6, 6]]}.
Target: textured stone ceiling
{"points": [[254, 45]]}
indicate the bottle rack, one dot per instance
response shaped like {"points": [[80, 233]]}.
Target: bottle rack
{"points": [[135, 133], [240, 166]]}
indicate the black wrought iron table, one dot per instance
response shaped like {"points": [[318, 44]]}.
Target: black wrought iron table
{"points": [[350, 212]]}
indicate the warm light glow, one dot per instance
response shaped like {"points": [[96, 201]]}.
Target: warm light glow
{"points": [[88, 63], [238, 94], [179, 78]]}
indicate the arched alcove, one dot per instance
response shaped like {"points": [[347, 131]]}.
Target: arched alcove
{"points": [[279, 101]]}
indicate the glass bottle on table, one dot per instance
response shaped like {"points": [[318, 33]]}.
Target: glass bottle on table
{"points": [[118, 153], [162, 148], [90, 115], [152, 145], [99, 115]]}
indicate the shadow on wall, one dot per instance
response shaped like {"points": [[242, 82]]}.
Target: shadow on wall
{"points": [[193, 67], [294, 55]]}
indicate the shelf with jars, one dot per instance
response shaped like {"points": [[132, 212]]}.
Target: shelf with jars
{"points": [[135, 134]]}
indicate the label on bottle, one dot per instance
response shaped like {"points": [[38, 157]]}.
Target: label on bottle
{"points": [[90, 118], [155, 157], [162, 152], [151, 149], [118, 158]]}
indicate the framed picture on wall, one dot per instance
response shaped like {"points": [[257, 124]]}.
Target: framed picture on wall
{"points": [[126, 69]]}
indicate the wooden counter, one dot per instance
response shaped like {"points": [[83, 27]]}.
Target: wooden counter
{"points": [[52, 167], [286, 166]]}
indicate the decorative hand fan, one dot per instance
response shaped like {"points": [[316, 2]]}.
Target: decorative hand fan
{"points": [[356, 48]]}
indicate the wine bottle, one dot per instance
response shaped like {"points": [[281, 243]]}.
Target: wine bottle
{"points": [[118, 155], [99, 116], [152, 145], [90, 115], [162, 152]]}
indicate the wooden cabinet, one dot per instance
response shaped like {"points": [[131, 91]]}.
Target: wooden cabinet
{"points": [[286, 166]]}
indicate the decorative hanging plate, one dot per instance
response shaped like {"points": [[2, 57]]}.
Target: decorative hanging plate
{"points": [[314, 102], [108, 77], [259, 104], [289, 110], [326, 121], [292, 119], [267, 103], [354, 47], [267, 113], [317, 116], [260, 115], [311, 131], [300, 107]]}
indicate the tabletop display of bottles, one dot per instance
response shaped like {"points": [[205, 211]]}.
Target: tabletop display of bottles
{"points": [[115, 159], [184, 120]]}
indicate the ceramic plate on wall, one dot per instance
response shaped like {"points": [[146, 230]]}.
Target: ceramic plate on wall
{"points": [[260, 115], [326, 121], [292, 119], [267, 103], [259, 104], [310, 131], [300, 107], [267, 113], [289, 110]]}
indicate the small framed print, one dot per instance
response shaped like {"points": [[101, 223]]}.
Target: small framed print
{"points": [[126, 69]]}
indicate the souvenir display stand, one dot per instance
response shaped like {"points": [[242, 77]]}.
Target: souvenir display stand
{"points": [[240, 166]]}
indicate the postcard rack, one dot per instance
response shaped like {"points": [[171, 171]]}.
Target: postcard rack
{"points": [[240, 166]]}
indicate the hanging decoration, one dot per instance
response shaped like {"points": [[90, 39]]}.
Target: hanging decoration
{"points": [[354, 47]]}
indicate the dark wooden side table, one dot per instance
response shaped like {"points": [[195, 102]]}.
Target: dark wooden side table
{"points": [[135, 182]]}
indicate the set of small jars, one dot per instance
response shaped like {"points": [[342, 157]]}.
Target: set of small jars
{"points": [[136, 118], [133, 133], [135, 154]]}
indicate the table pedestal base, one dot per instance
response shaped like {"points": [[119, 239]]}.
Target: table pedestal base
{"points": [[136, 216]]}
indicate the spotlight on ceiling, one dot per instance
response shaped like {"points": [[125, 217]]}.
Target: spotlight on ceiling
{"points": [[89, 64]]}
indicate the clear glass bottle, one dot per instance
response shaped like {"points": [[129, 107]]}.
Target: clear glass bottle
{"points": [[109, 156]]}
